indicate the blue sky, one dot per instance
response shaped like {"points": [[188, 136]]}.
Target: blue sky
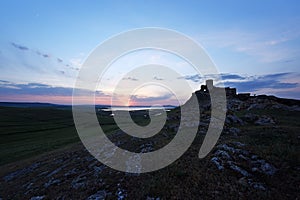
{"points": [[256, 44]]}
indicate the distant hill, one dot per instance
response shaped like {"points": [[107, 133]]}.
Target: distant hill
{"points": [[28, 105], [40, 105]]}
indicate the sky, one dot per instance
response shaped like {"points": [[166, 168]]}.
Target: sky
{"points": [[255, 46]]}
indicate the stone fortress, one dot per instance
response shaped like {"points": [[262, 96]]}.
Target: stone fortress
{"points": [[230, 92], [231, 95]]}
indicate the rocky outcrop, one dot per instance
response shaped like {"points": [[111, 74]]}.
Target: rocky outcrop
{"points": [[234, 157], [264, 120]]}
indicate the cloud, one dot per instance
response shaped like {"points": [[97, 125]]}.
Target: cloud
{"points": [[269, 81], [266, 46], [20, 47], [130, 78], [2, 81], [232, 76], [46, 55], [195, 78], [277, 82], [289, 61], [8, 88], [274, 76], [157, 78], [39, 53], [33, 89], [39, 92]]}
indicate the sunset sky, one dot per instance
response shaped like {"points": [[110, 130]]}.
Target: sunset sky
{"points": [[254, 44]]}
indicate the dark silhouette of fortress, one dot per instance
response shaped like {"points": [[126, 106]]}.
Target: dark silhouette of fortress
{"points": [[230, 92]]}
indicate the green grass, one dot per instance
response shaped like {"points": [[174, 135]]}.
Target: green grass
{"points": [[26, 132], [279, 143]]}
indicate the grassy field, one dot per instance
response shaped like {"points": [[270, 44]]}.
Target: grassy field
{"points": [[30, 131], [279, 143], [26, 132]]}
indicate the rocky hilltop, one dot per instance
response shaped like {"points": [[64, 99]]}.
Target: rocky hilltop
{"points": [[257, 156]]}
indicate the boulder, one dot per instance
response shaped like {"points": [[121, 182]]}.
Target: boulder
{"points": [[233, 119], [264, 120]]}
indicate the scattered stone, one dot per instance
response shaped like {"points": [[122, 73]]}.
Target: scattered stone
{"points": [[146, 147], [263, 167], [51, 182], [28, 186], [268, 169], [233, 119], [79, 182], [152, 198], [217, 163], [230, 155], [223, 154], [55, 171], [264, 120], [100, 195], [227, 148], [98, 170], [233, 150], [21, 172], [241, 156], [121, 193], [238, 144], [43, 173], [71, 172], [236, 168], [37, 198]]}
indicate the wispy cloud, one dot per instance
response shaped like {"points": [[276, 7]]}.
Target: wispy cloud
{"points": [[40, 92], [20, 47], [9, 88], [266, 47], [197, 78], [76, 63], [158, 78], [130, 78], [256, 83]]}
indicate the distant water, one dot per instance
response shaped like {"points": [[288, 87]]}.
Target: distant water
{"points": [[133, 108]]}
